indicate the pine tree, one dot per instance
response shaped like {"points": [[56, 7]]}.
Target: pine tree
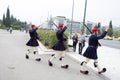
{"points": [[99, 28], [110, 31], [8, 20], [110, 24], [4, 20]]}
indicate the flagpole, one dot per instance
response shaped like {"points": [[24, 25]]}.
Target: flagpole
{"points": [[84, 16]]}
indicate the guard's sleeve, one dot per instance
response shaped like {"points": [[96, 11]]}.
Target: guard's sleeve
{"points": [[102, 35], [63, 29]]}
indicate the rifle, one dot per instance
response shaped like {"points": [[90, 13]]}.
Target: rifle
{"points": [[90, 32], [57, 28]]}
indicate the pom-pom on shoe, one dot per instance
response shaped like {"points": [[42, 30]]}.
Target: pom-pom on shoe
{"points": [[38, 59], [65, 66], [50, 63], [102, 71], [26, 56], [84, 72]]}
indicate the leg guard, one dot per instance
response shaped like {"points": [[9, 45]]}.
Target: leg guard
{"points": [[95, 64], [83, 63], [61, 58], [35, 52], [28, 51]]}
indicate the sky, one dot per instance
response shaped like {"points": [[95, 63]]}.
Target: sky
{"points": [[38, 11]]}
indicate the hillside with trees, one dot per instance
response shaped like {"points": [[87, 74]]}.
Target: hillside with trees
{"points": [[10, 21]]}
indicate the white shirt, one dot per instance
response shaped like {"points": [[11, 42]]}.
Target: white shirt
{"points": [[81, 39]]}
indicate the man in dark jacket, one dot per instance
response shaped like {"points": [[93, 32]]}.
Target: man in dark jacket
{"points": [[33, 43], [91, 51], [59, 46]]}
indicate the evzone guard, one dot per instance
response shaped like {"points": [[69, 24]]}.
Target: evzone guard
{"points": [[59, 46], [91, 51], [33, 42]]}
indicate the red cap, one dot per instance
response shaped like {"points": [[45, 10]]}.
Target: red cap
{"points": [[94, 30], [32, 25], [60, 26]]}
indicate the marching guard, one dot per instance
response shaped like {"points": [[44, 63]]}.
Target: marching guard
{"points": [[33, 43], [59, 46], [91, 51]]}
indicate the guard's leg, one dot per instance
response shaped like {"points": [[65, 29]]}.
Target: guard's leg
{"points": [[63, 64], [97, 66], [62, 55], [26, 55], [83, 65], [29, 51], [53, 57], [36, 52]]}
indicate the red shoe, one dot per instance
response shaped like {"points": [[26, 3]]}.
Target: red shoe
{"points": [[84, 72], [50, 63], [102, 71], [52, 54], [65, 66], [26, 56], [38, 59]]}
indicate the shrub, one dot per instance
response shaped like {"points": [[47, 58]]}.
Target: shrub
{"points": [[116, 33], [108, 38], [118, 38], [16, 27], [48, 38]]}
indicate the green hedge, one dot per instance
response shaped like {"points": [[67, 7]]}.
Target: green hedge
{"points": [[48, 38], [16, 27]]}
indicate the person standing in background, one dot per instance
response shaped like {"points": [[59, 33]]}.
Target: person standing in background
{"points": [[81, 44], [75, 41], [11, 30]]}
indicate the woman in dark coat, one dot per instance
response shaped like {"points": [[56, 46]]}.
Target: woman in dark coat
{"points": [[91, 51], [59, 46], [33, 43]]}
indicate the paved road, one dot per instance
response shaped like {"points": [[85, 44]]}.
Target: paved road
{"points": [[109, 43], [14, 66]]}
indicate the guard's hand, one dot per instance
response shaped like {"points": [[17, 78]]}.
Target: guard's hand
{"points": [[107, 27], [66, 24]]}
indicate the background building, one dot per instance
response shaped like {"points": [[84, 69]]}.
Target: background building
{"points": [[61, 20]]}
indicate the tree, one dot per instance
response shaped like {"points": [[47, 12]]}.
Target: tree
{"points": [[110, 31], [99, 28], [103, 29], [8, 21], [116, 32], [4, 20], [11, 21]]}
